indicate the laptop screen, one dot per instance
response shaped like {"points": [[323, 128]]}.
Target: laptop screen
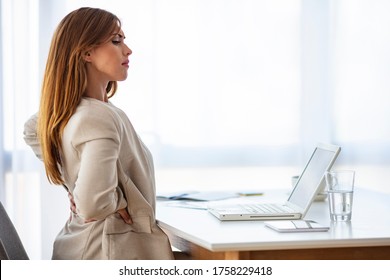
{"points": [[312, 176]]}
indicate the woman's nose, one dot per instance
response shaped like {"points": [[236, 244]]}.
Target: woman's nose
{"points": [[128, 51]]}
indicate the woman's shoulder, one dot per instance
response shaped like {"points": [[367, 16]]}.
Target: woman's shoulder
{"points": [[92, 110], [93, 107], [93, 118]]}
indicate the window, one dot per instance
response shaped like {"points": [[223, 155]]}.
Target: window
{"points": [[210, 83], [361, 69]]}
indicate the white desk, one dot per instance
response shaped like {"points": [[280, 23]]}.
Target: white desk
{"points": [[203, 236]]}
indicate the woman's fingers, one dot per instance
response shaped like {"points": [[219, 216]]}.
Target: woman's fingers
{"points": [[125, 216], [122, 212], [72, 203]]}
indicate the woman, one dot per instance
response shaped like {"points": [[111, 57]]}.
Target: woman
{"points": [[89, 145]]}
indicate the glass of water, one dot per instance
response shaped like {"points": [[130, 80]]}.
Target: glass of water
{"points": [[340, 186]]}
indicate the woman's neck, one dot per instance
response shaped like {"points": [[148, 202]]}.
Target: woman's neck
{"points": [[96, 90]]}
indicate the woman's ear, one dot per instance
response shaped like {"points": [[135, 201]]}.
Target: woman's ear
{"points": [[87, 56]]}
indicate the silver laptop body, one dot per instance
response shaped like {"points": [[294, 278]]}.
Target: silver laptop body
{"points": [[300, 199]]}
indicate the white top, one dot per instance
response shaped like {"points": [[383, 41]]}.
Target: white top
{"points": [[370, 226], [106, 167]]}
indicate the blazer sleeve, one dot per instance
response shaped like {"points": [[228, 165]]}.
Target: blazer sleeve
{"points": [[96, 139], [31, 137]]}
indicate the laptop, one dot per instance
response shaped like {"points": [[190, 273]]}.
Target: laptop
{"points": [[300, 199]]}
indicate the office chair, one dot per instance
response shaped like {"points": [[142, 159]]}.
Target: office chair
{"points": [[11, 247]]}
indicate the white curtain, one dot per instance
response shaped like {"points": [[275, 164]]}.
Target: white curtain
{"points": [[19, 92], [226, 87], [32, 204]]}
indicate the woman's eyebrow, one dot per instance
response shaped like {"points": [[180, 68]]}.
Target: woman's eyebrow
{"points": [[119, 35]]}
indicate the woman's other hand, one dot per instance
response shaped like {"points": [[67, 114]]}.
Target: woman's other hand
{"points": [[122, 212], [125, 216], [72, 203]]}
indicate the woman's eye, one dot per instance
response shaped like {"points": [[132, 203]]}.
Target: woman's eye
{"points": [[116, 42]]}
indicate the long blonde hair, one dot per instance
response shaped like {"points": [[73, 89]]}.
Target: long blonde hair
{"points": [[65, 78]]}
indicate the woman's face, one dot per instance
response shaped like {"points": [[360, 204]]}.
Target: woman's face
{"points": [[110, 61]]}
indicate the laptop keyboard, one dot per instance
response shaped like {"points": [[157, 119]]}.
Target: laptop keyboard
{"points": [[266, 208]]}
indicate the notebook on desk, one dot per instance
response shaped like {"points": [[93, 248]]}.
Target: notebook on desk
{"points": [[300, 199]]}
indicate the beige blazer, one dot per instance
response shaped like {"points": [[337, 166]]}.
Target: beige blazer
{"points": [[106, 167]]}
